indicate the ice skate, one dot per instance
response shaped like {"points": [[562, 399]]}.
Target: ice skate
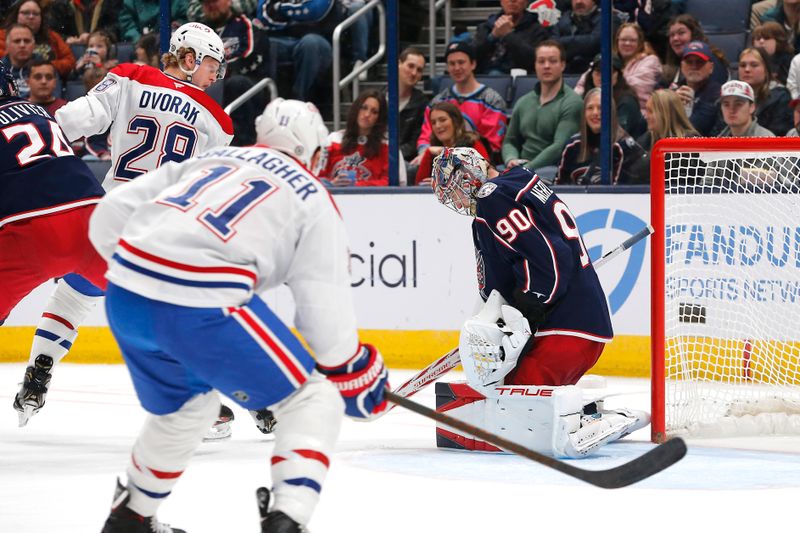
{"points": [[222, 427], [123, 520], [265, 420], [274, 521], [31, 395]]}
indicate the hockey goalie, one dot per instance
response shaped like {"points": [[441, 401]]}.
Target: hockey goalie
{"points": [[544, 322]]}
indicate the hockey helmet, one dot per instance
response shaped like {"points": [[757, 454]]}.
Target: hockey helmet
{"points": [[8, 87], [458, 173], [203, 41], [293, 127]]}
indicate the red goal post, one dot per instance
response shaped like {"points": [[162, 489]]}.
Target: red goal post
{"points": [[725, 283]]}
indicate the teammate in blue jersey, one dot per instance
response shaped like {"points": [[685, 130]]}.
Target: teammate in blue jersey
{"points": [[529, 249], [190, 247], [46, 197]]}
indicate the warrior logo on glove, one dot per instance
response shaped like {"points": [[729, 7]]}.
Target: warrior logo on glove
{"points": [[361, 381]]}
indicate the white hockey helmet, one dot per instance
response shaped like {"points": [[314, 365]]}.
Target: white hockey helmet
{"points": [[458, 173], [203, 41], [293, 127]]}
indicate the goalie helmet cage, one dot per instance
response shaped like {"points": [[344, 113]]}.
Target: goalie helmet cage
{"points": [[725, 317]]}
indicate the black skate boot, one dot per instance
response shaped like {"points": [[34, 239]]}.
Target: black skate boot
{"points": [[222, 427], [31, 395], [265, 420], [123, 520], [274, 521]]}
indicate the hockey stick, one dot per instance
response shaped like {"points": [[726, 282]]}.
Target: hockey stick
{"points": [[451, 359], [644, 466]]}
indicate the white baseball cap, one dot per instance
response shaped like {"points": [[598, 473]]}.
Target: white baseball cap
{"points": [[738, 88]]}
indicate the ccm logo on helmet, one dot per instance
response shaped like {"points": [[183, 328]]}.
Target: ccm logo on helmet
{"points": [[523, 391]]}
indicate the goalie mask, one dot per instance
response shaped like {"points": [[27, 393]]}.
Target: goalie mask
{"points": [[293, 127], [203, 41], [458, 173]]}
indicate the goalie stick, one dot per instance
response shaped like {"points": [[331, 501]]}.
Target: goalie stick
{"points": [[451, 359], [652, 462]]}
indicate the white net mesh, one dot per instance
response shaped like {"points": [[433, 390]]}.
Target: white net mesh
{"points": [[732, 291]]}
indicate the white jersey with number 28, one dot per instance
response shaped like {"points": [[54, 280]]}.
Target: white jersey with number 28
{"points": [[154, 118]]}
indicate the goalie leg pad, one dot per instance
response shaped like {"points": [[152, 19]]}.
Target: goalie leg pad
{"points": [[536, 417], [304, 440]]}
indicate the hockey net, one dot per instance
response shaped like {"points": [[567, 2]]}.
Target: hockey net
{"points": [[725, 287]]}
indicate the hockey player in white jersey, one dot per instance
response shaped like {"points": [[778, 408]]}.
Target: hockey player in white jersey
{"points": [[190, 246], [154, 117]]}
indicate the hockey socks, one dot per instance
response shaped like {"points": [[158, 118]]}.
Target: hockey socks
{"points": [[165, 445], [58, 327]]}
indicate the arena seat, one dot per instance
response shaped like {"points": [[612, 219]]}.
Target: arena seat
{"points": [[720, 15], [731, 44], [522, 86], [74, 90]]}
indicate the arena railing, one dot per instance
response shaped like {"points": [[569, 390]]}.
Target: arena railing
{"points": [[251, 92], [433, 7], [352, 77]]}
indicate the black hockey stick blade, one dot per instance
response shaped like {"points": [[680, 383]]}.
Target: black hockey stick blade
{"points": [[644, 466]]}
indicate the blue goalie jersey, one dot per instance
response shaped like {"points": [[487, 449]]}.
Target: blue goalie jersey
{"points": [[39, 173], [526, 238]]}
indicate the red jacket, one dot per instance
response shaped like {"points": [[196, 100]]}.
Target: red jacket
{"points": [[363, 171], [426, 164]]}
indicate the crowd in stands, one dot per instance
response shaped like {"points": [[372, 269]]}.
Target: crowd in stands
{"points": [[521, 88]]}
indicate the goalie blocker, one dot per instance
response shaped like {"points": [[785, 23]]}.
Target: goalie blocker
{"points": [[549, 420]]}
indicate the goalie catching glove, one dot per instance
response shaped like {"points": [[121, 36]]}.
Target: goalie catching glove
{"points": [[361, 382], [491, 342]]}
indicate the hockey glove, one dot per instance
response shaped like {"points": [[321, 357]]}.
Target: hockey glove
{"points": [[361, 382]]}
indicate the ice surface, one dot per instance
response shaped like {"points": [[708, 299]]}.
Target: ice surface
{"points": [[57, 474]]}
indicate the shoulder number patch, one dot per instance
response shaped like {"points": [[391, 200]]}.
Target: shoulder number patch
{"points": [[486, 189], [104, 84]]}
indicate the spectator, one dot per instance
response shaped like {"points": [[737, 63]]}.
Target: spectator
{"points": [[641, 69], [772, 98], [738, 109], [665, 118], [19, 42], [99, 54], [795, 132], [147, 51], [359, 154], [578, 31], [787, 14], [773, 39], [545, 118], [684, 29], [483, 108], [448, 130], [42, 83], [246, 55], [140, 17], [696, 89], [48, 44], [411, 101], [302, 37], [359, 34], [194, 9], [76, 20], [653, 17], [627, 108], [757, 11], [507, 39], [580, 161]]}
